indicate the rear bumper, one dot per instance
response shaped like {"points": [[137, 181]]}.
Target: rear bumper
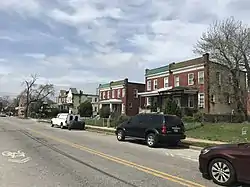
{"points": [[171, 137]]}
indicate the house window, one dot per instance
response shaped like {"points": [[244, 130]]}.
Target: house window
{"points": [[191, 79], [103, 95], [165, 82], [201, 77], [113, 93], [228, 99], [149, 85], [155, 84], [201, 100], [218, 77], [191, 101], [176, 81], [148, 101], [130, 105], [135, 93], [108, 94], [177, 101], [119, 93], [123, 92], [95, 99], [95, 109]]}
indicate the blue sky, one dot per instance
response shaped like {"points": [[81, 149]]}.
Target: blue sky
{"points": [[81, 43]]}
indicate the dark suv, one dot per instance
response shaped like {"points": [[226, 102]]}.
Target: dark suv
{"points": [[154, 128]]}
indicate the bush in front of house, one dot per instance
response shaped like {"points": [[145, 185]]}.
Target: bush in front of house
{"points": [[85, 109], [118, 120], [104, 112], [171, 107]]}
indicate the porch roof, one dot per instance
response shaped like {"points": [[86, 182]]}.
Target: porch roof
{"points": [[155, 92], [169, 90], [115, 101]]}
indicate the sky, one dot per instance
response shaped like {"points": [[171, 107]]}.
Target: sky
{"points": [[82, 43]]}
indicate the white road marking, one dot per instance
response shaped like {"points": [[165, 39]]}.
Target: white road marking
{"points": [[13, 154], [20, 161], [16, 157]]}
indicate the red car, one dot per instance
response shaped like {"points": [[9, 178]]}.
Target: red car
{"points": [[226, 164]]}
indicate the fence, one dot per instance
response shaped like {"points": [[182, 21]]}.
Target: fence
{"points": [[102, 122]]}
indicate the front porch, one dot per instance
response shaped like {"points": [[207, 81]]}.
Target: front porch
{"points": [[186, 98], [115, 105]]}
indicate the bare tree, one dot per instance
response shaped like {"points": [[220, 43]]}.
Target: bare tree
{"points": [[35, 93], [228, 41]]}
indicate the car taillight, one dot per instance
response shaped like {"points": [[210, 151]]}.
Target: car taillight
{"points": [[164, 129]]}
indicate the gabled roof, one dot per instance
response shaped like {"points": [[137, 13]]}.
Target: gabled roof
{"points": [[73, 90]]}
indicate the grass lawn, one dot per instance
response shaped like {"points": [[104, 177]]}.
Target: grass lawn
{"points": [[225, 132]]}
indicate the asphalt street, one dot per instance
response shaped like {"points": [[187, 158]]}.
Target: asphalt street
{"points": [[36, 155]]}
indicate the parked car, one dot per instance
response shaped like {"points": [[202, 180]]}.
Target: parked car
{"points": [[154, 128], [63, 120], [3, 115], [76, 124], [226, 164]]}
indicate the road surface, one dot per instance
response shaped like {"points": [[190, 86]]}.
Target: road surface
{"points": [[36, 155]]}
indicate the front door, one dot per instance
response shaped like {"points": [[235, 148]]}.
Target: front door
{"points": [[131, 127]]}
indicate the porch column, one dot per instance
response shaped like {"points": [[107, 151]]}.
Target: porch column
{"points": [[111, 107], [123, 108]]}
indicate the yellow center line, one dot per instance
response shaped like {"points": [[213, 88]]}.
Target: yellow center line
{"points": [[145, 169]]}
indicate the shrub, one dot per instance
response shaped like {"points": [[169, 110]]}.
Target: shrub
{"points": [[104, 112], [198, 117], [188, 119], [85, 109], [172, 108]]}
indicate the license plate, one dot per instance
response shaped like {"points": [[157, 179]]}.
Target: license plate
{"points": [[176, 130]]}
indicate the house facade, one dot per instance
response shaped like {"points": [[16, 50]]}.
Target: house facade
{"points": [[196, 84], [71, 99], [121, 96]]}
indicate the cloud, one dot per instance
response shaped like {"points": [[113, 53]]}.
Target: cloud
{"points": [[81, 43], [35, 55], [24, 6]]}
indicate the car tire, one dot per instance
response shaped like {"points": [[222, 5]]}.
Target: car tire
{"points": [[120, 135], [61, 126], [151, 140], [52, 125], [221, 167]]}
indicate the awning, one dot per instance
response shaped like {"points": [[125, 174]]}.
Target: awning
{"points": [[148, 94], [155, 92], [113, 101]]}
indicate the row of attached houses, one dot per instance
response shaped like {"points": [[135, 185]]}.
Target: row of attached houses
{"points": [[195, 84], [198, 84]]}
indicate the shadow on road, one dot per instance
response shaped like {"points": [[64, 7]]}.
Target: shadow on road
{"points": [[142, 142]]}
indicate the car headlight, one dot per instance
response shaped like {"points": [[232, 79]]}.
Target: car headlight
{"points": [[205, 151]]}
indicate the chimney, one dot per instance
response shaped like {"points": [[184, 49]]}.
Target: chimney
{"points": [[126, 80], [206, 57]]}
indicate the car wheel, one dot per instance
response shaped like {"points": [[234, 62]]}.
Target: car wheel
{"points": [[120, 135], [52, 125], [62, 127], [151, 140], [222, 172]]}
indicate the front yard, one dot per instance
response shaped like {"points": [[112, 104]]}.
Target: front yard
{"points": [[225, 132]]}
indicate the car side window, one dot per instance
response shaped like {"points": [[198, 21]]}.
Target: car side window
{"points": [[76, 118], [134, 120], [70, 118]]}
